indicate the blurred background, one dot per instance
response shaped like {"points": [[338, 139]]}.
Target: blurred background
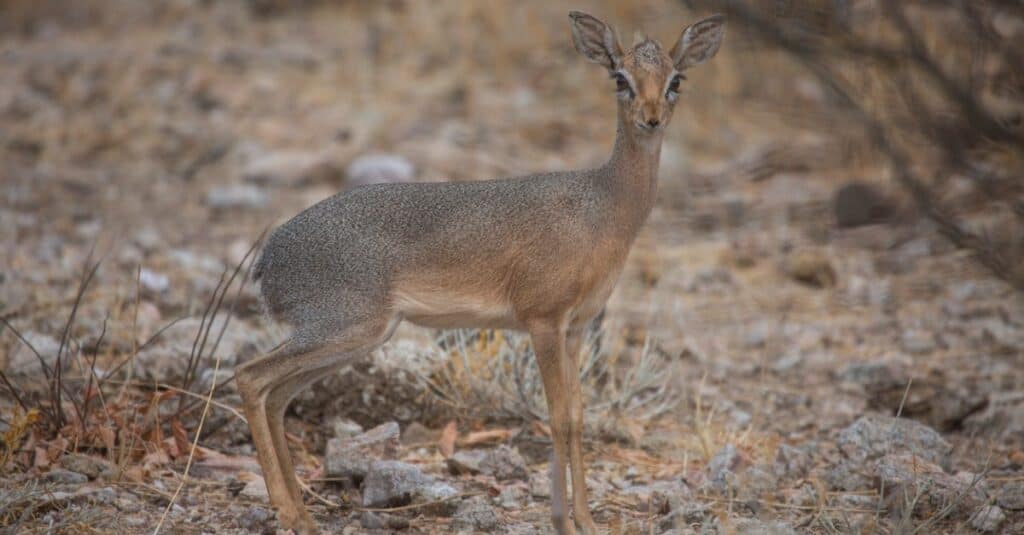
{"points": [[837, 242]]}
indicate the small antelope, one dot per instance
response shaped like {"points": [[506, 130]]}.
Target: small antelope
{"points": [[538, 253]]}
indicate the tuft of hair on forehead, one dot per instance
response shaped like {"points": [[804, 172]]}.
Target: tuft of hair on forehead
{"points": [[647, 51]]}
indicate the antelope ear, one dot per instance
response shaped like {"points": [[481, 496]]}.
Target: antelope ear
{"points": [[698, 43], [596, 40]]}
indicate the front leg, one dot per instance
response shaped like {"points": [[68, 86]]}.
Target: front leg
{"points": [[549, 349], [580, 509]]}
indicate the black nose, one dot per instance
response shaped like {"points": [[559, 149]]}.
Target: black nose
{"points": [[653, 123]]}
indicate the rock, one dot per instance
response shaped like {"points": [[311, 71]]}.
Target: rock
{"points": [[876, 376], [153, 281], [916, 476], [236, 196], [467, 461], [378, 169], [475, 515], [505, 463], [21, 359], [255, 486], [394, 483], [1003, 418], [988, 519], [1012, 496], [660, 496], [64, 477], [811, 268], [513, 497], [918, 342], [371, 520], [540, 485], [848, 476], [857, 203], [792, 462], [711, 280], [289, 168], [721, 467], [873, 436], [345, 429], [753, 526], [149, 239], [168, 356], [255, 518], [352, 457], [685, 514], [85, 464]]}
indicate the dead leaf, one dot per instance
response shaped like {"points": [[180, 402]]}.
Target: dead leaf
{"points": [[447, 441]]}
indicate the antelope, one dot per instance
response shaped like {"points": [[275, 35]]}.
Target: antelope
{"points": [[538, 253]]}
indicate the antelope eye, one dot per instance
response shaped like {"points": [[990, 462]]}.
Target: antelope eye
{"points": [[621, 83], [673, 86]]}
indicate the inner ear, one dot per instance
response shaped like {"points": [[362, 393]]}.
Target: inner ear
{"points": [[698, 43], [595, 40]]}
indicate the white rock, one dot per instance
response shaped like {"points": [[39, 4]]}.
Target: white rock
{"points": [[236, 196], [378, 169], [154, 281]]}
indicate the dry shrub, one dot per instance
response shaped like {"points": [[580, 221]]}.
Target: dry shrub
{"points": [[493, 375]]}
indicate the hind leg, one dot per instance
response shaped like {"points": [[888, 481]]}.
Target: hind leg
{"points": [[267, 386]]}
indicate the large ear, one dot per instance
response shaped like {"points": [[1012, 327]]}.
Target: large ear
{"points": [[595, 40], [698, 43]]}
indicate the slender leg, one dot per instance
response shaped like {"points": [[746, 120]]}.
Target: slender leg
{"points": [[268, 385], [549, 347], [581, 512], [255, 380], [277, 403]]}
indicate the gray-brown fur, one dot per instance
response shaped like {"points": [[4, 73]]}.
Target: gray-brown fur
{"points": [[539, 253]]}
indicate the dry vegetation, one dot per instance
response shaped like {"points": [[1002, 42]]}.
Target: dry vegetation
{"points": [[837, 240]]}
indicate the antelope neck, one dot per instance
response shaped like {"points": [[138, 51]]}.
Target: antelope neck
{"points": [[631, 174]]}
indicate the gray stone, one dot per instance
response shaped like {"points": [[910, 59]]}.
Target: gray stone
{"points": [[64, 477], [287, 168], [371, 520], [85, 464], [392, 484], [236, 196], [167, 357], [154, 281], [475, 515], [352, 457], [720, 468], [685, 514], [1012, 496], [505, 463], [345, 428], [22, 359], [920, 477], [513, 497], [753, 526], [467, 461], [873, 436], [379, 169], [791, 461], [918, 342], [988, 519], [540, 484], [255, 518]]}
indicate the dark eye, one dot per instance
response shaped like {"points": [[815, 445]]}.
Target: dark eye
{"points": [[673, 86], [621, 84]]}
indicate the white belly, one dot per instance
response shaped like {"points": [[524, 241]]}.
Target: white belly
{"points": [[442, 311]]}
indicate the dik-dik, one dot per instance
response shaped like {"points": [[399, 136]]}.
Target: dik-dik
{"points": [[538, 253]]}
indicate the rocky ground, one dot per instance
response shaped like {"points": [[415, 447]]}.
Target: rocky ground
{"points": [[775, 359]]}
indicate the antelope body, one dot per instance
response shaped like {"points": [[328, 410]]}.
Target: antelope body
{"points": [[539, 253]]}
